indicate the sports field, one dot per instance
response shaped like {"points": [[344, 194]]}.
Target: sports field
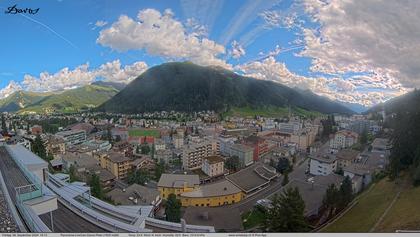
{"points": [[143, 133]]}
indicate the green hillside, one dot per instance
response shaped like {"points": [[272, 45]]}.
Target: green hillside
{"points": [[72, 100], [20, 100]]}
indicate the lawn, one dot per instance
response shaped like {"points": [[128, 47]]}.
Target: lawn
{"points": [[371, 205], [143, 133], [269, 111], [252, 218], [404, 214], [252, 112]]}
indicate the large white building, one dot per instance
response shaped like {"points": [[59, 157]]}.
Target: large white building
{"points": [[343, 139], [73, 137], [323, 164]]}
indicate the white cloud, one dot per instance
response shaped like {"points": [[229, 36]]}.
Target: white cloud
{"points": [[61, 80], [112, 71], [80, 76], [379, 37], [101, 23], [337, 88], [237, 50], [161, 35]]}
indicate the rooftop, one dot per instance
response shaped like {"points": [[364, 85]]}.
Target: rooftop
{"points": [[221, 188], [324, 158], [144, 195], [248, 179], [178, 180], [380, 142], [214, 159], [347, 154], [117, 157], [218, 217]]}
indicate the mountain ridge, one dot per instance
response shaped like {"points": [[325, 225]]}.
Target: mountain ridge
{"points": [[187, 87]]}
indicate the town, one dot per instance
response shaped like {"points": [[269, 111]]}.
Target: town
{"points": [[179, 172]]}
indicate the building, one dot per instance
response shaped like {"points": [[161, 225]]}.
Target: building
{"points": [[135, 194], [178, 141], [193, 155], [259, 145], [145, 162], [165, 156], [245, 154], [36, 130], [116, 163], [159, 145], [87, 127], [72, 137], [213, 195], [322, 164], [213, 166], [98, 145], [346, 157], [360, 175], [55, 145], [381, 145], [177, 184], [289, 128], [343, 139]]}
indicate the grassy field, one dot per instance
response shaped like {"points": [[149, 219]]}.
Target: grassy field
{"points": [[143, 133], [404, 214], [252, 218], [371, 205], [269, 112]]}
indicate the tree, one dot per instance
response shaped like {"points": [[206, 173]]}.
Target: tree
{"points": [[39, 148], [232, 163], [285, 179], [3, 124], [137, 149], [173, 208], [364, 137], [346, 193], [140, 176], [331, 199], [286, 213], [283, 165], [159, 170], [72, 174], [145, 149], [95, 186]]}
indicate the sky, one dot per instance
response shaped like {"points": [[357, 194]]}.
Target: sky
{"points": [[361, 52]]}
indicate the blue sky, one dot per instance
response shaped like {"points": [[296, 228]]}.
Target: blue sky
{"points": [[71, 43]]}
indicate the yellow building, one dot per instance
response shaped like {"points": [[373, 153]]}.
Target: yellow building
{"points": [[177, 184], [213, 195], [116, 163]]}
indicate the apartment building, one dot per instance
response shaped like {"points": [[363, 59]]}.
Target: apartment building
{"points": [[323, 164], [72, 137], [245, 153], [343, 139], [213, 166], [116, 163], [193, 155]]}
